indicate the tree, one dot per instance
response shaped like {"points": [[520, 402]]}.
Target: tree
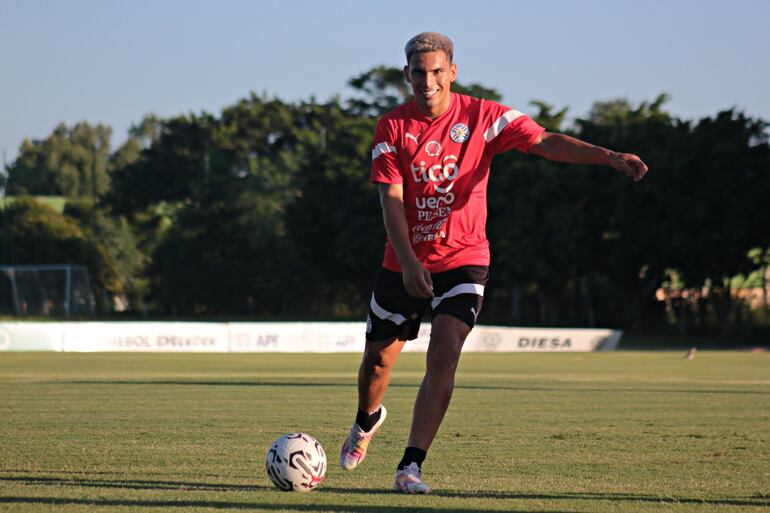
{"points": [[141, 137], [545, 117], [172, 169], [720, 210], [121, 264], [36, 234], [210, 191], [381, 89], [70, 162], [335, 222], [633, 255]]}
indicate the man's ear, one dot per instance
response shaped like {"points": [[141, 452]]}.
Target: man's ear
{"points": [[406, 74]]}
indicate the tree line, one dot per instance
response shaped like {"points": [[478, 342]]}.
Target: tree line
{"points": [[265, 210]]}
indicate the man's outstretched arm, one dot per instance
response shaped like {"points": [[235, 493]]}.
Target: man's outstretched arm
{"points": [[563, 148]]}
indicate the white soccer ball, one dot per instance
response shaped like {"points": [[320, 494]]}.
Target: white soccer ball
{"points": [[296, 461]]}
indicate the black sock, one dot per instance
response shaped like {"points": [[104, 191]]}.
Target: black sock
{"points": [[412, 454], [366, 421]]}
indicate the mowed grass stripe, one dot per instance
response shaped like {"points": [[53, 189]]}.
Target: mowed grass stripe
{"points": [[526, 432]]}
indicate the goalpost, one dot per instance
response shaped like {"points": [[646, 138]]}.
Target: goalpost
{"points": [[45, 290]]}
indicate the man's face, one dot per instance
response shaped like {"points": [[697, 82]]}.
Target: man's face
{"points": [[430, 75]]}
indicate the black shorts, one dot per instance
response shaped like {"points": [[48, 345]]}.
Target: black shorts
{"points": [[394, 313]]}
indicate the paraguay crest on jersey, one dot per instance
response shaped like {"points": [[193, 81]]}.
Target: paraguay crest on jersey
{"points": [[460, 133]]}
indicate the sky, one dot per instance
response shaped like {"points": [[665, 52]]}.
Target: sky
{"points": [[114, 61]]}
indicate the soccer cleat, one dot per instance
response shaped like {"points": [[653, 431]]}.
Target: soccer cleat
{"points": [[354, 449], [409, 480]]}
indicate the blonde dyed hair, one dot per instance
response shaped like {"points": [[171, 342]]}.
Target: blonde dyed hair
{"points": [[429, 42]]}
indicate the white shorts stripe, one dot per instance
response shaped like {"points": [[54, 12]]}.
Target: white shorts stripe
{"points": [[384, 314], [501, 123], [381, 149], [463, 288]]}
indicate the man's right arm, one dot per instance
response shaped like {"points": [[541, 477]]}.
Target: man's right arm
{"points": [[417, 279]]}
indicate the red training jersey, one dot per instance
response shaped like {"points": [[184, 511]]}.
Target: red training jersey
{"points": [[443, 164]]}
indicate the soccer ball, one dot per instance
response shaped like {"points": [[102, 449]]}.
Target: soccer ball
{"points": [[296, 461]]}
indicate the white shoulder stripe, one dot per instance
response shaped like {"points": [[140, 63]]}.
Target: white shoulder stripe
{"points": [[501, 123], [382, 148]]}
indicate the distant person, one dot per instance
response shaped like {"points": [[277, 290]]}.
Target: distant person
{"points": [[430, 159]]}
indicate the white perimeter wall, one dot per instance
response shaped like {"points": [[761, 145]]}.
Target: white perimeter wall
{"points": [[300, 337]]}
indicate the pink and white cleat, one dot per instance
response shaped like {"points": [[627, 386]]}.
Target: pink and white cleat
{"points": [[354, 449], [409, 480]]}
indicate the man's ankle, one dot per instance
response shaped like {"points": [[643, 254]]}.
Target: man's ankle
{"points": [[367, 420], [412, 455]]}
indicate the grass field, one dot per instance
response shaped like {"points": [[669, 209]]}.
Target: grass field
{"points": [[599, 432]]}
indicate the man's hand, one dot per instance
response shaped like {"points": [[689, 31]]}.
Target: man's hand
{"points": [[417, 280], [628, 164]]}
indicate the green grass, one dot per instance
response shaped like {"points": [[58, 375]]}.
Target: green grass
{"points": [[599, 432]]}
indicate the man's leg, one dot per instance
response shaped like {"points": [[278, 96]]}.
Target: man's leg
{"points": [[373, 380], [374, 372], [446, 341]]}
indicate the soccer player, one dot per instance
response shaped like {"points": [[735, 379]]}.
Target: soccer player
{"points": [[430, 159]]}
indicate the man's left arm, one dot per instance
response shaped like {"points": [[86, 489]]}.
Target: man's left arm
{"points": [[563, 148]]}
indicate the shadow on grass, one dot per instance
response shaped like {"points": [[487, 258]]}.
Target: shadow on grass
{"points": [[755, 501], [135, 484], [258, 506], [315, 384], [612, 497], [572, 496], [315, 507]]}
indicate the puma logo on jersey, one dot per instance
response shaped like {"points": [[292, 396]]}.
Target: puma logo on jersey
{"points": [[413, 137]]}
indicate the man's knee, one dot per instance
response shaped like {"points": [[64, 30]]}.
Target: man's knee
{"points": [[379, 357], [442, 367], [448, 335]]}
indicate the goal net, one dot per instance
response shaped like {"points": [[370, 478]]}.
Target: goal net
{"points": [[45, 290]]}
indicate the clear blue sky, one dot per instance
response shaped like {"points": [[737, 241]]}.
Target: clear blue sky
{"points": [[113, 61]]}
